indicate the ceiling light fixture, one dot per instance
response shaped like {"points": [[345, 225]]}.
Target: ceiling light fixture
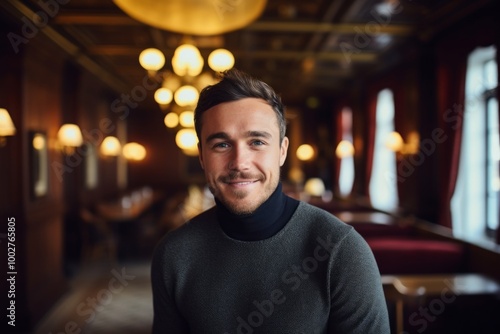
{"points": [[187, 79], [182, 86], [194, 17]]}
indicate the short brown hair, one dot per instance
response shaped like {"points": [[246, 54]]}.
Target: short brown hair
{"points": [[236, 85]]}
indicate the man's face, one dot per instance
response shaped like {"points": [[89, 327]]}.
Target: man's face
{"points": [[241, 153]]}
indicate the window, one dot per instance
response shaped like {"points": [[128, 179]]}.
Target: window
{"points": [[383, 186], [345, 152], [474, 204]]}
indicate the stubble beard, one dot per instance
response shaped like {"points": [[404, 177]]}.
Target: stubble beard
{"points": [[235, 205]]}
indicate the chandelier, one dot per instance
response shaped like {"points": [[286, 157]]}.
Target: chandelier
{"points": [[182, 85], [194, 17]]}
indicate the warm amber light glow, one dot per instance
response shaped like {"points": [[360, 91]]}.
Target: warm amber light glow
{"points": [[70, 135], [413, 143], [187, 60], [344, 149], [194, 17], [7, 127], [134, 151], [171, 120], [163, 96], [186, 140], [186, 118], [221, 60], [394, 141], [305, 152], [111, 146], [152, 59], [315, 187], [39, 142], [186, 95]]}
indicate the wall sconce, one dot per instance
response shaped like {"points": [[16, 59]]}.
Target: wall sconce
{"points": [[111, 147], [7, 127], [395, 143], [345, 149], [305, 152], [134, 151], [69, 137]]}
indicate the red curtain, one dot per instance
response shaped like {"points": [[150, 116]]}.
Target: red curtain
{"points": [[452, 54], [338, 138], [371, 124], [498, 96], [450, 102]]}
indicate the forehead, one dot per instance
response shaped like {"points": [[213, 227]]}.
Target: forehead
{"points": [[244, 114]]}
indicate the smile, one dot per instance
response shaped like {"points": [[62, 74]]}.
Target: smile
{"points": [[241, 183]]}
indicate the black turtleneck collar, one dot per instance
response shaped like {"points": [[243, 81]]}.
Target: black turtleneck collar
{"points": [[263, 223]]}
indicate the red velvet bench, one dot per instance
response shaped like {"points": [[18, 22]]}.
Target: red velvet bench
{"points": [[396, 256]]}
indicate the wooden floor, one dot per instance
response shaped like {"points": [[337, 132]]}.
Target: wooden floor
{"points": [[104, 299]]}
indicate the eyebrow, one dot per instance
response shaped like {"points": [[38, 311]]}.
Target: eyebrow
{"points": [[225, 136]]}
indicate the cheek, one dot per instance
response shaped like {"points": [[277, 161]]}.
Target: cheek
{"points": [[213, 166]]}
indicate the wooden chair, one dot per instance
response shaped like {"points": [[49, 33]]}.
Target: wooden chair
{"points": [[99, 241]]}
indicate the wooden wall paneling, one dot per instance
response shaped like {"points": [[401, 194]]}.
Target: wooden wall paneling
{"points": [[41, 94], [11, 182], [162, 165]]}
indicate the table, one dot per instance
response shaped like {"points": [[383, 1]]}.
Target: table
{"points": [[129, 207], [443, 289], [129, 216]]}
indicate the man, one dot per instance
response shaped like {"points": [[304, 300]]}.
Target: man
{"points": [[259, 261]]}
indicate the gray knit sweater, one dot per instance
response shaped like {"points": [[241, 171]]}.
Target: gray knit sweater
{"points": [[316, 275]]}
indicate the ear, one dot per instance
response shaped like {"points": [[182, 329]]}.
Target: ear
{"points": [[200, 156], [283, 150]]}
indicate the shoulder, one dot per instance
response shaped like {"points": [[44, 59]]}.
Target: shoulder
{"points": [[314, 219], [195, 231]]}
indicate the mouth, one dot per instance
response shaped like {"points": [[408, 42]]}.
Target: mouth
{"points": [[240, 180], [240, 183]]}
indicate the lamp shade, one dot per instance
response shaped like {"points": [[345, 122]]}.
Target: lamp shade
{"points": [[187, 60], [186, 119], [70, 135], [221, 60], [171, 120], [314, 187], [7, 127], [152, 59], [163, 96], [186, 140], [186, 95], [134, 151], [111, 146], [194, 17]]}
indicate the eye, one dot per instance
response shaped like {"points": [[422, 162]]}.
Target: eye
{"points": [[258, 143], [220, 145]]}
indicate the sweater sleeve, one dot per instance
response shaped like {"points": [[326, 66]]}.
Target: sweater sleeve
{"points": [[166, 316], [357, 299]]}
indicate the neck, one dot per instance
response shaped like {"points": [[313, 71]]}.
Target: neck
{"points": [[263, 223]]}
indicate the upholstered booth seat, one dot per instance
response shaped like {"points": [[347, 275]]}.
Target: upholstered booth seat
{"points": [[396, 255], [372, 230]]}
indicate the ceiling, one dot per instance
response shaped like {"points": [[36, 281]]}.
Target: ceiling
{"points": [[300, 47]]}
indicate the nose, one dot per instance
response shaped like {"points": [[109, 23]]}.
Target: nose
{"points": [[239, 159]]}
